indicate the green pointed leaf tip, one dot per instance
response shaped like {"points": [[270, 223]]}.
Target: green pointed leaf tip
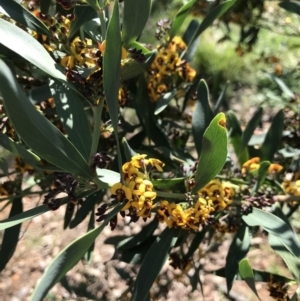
{"points": [[68, 258], [136, 14], [15, 39], [18, 13], [213, 153], [202, 115], [235, 136], [238, 250], [251, 126], [37, 131], [180, 17], [247, 274], [273, 138]]}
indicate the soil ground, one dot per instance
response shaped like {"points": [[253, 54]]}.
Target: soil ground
{"points": [[42, 239]]}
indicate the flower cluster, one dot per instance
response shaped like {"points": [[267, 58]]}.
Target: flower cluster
{"points": [[137, 189], [254, 164], [168, 70], [291, 187], [212, 198]]}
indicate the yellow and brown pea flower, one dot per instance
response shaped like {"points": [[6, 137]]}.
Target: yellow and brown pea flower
{"points": [[254, 164], [213, 198], [137, 189], [168, 68]]}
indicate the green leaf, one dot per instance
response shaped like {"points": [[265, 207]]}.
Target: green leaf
{"points": [[259, 276], [211, 17], [136, 14], [250, 127], [136, 254], [18, 13], [237, 251], [261, 174], [247, 274], [213, 153], [45, 6], [139, 238], [221, 99], [83, 14], [292, 261], [163, 101], [91, 225], [68, 258], [202, 115], [93, 29], [145, 113], [108, 176], [167, 183], [71, 111], [39, 94], [111, 72], [291, 6], [11, 235], [31, 213], [16, 38], [153, 262], [87, 206], [180, 17], [129, 152], [37, 131], [22, 217], [94, 4], [275, 226], [68, 217], [273, 137], [235, 137], [18, 150]]}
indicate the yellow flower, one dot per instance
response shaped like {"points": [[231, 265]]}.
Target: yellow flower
{"points": [[156, 163], [121, 191], [275, 168]]}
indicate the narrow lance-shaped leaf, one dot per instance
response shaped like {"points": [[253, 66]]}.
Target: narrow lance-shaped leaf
{"points": [[261, 174], [275, 226], [18, 150], [136, 14], [211, 17], [291, 6], [15, 39], [273, 138], [237, 251], [18, 13], [11, 235], [235, 137], [129, 152], [153, 263], [247, 274], [213, 153], [37, 131], [70, 109], [250, 127], [68, 258], [111, 71], [180, 17], [31, 213], [292, 261], [202, 115], [83, 13]]}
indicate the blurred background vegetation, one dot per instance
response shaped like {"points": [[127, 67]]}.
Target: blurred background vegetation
{"points": [[254, 47]]}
